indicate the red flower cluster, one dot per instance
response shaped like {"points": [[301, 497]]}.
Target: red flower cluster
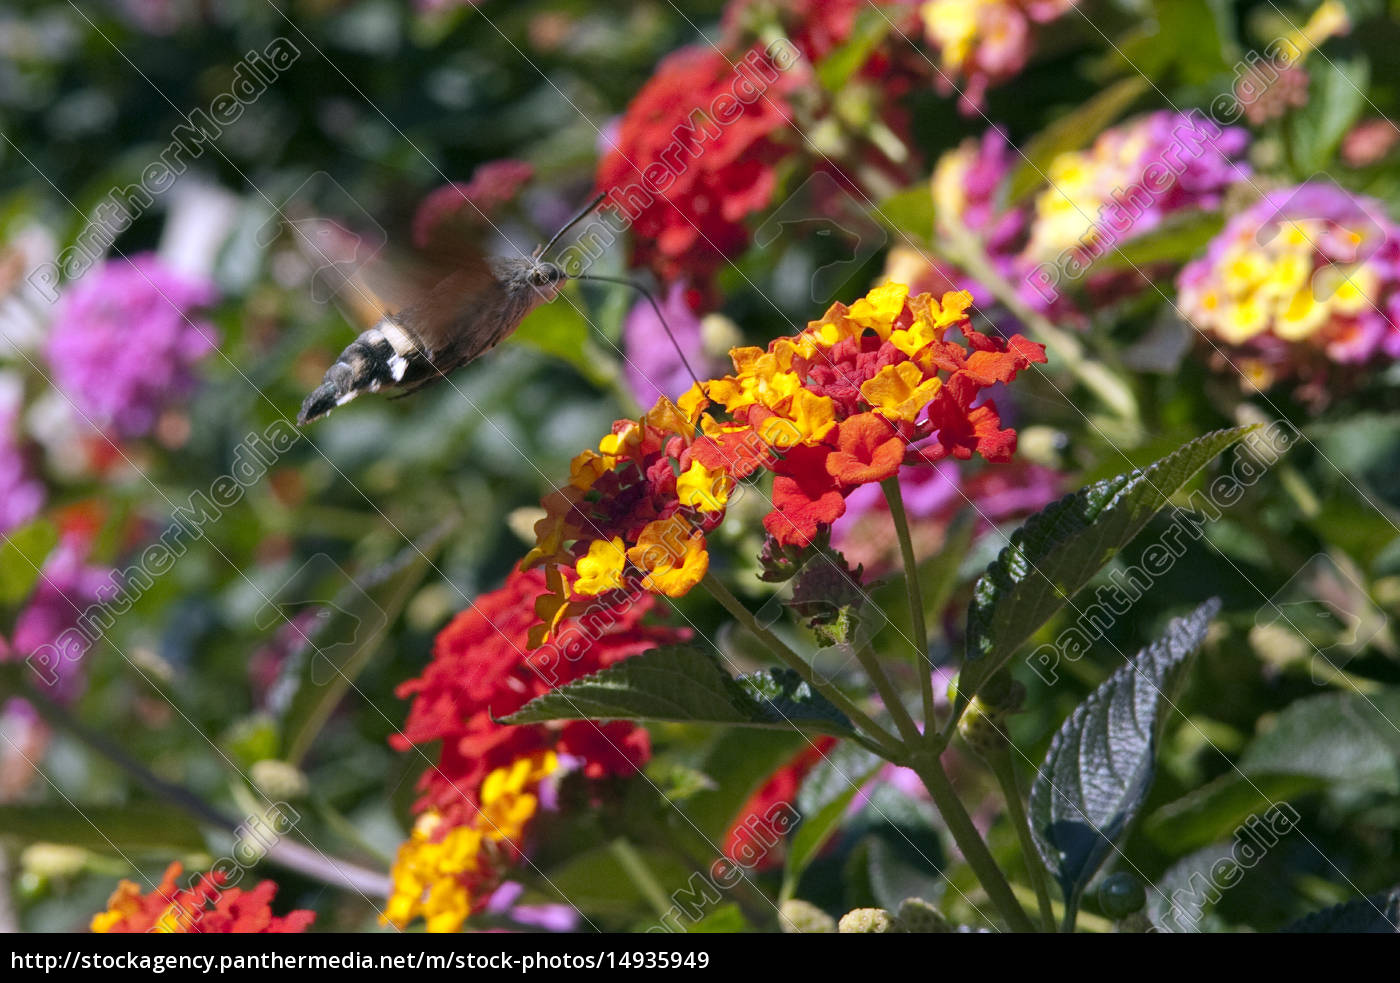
{"points": [[206, 907], [480, 670], [694, 155]]}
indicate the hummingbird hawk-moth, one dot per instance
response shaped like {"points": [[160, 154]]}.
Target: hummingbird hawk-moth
{"points": [[455, 305]]}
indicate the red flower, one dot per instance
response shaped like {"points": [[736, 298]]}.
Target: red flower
{"points": [[481, 670], [694, 156], [804, 496], [206, 906], [868, 450], [471, 203]]}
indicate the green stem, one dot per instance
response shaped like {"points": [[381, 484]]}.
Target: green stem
{"points": [[908, 729], [970, 842], [1005, 772], [641, 874], [968, 253], [895, 498], [884, 743]]}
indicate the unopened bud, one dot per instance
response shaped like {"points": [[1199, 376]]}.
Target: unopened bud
{"points": [[279, 780], [798, 917], [918, 917], [865, 921], [47, 860]]}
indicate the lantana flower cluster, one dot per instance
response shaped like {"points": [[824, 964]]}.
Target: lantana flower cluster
{"points": [[846, 403], [1303, 281], [126, 341], [489, 779], [204, 906], [1127, 183]]}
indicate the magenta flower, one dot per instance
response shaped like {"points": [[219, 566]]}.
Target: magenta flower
{"points": [[49, 625], [654, 369], [126, 340]]}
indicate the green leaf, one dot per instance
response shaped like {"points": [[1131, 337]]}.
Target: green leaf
{"points": [[1336, 99], [684, 685], [1101, 763], [22, 555], [1378, 914], [134, 827], [1347, 738], [1060, 549], [908, 212], [346, 638], [561, 329], [1176, 240], [837, 68], [1071, 132], [1214, 811], [823, 800], [738, 764]]}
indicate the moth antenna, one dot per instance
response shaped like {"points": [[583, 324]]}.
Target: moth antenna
{"points": [[592, 205], [655, 307]]}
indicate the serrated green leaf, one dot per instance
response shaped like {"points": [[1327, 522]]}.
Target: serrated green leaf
{"points": [[681, 684], [1101, 763], [22, 555], [1378, 914], [1060, 549], [1070, 132], [135, 827]]}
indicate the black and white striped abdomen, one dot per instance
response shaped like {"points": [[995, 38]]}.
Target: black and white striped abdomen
{"points": [[382, 356]]}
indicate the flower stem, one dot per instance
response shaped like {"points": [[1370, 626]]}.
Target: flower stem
{"points": [[895, 498], [908, 729], [974, 849], [1005, 772], [886, 745]]}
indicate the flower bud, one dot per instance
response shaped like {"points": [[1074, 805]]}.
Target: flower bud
{"points": [[1121, 895], [918, 917], [278, 780], [52, 860], [866, 920], [798, 917]]}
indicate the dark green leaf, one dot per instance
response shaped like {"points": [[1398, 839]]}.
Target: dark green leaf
{"points": [[684, 685], [1101, 763], [22, 554], [1060, 549], [1212, 812], [1070, 132], [737, 764], [1377, 915], [824, 799]]}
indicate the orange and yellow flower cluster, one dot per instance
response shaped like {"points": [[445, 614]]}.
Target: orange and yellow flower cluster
{"points": [[890, 380]]}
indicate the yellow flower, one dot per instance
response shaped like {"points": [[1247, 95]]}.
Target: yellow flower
{"points": [[878, 309], [588, 467], [703, 489], [673, 556], [551, 607], [900, 392], [601, 569]]}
